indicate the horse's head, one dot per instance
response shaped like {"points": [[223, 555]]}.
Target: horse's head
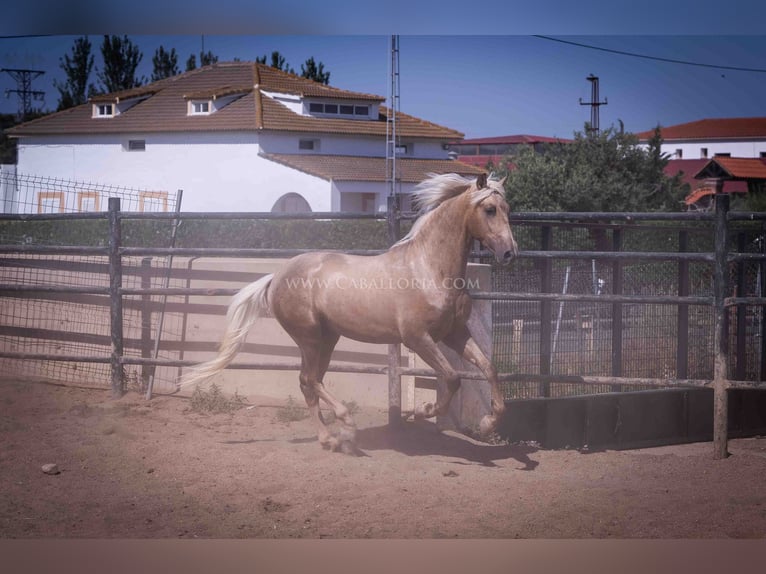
{"points": [[488, 219]]}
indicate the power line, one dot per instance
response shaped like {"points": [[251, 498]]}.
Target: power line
{"points": [[656, 58]]}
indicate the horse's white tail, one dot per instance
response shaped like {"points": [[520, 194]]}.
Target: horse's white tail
{"points": [[247, 305]]}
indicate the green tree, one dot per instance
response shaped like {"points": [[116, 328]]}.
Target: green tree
{"points": [[77, 67], [315, 71], [121, 59], [277, 61], [205, 59], [7, 144], [165, 64], [606, 172]]}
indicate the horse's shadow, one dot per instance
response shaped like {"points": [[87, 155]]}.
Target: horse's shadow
{"points": [[421, 438]]}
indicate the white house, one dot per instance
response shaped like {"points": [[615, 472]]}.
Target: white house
{"points": [[704, 139], [238, 136]]}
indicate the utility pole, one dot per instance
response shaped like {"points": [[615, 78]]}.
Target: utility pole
{"points": [[24, 89], [594, 104], [392, 141]]}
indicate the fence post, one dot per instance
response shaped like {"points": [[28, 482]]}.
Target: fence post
{"points": [[394, 351], [617, 288], [115, 285], [546, 313], [740, 372], [721, 344], [146, 321], [682, 349]]}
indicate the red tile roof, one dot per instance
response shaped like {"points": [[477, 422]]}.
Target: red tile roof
{"points": [[513, 139], [709, 129], [735, 168], [689, 168], [356, 168], [165, 108]]}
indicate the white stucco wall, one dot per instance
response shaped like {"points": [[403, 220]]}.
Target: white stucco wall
{"points": [[330, 144], [694, 150], [218, 172]]}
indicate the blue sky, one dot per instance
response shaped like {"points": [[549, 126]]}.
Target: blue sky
{"points": [[484, 75]]}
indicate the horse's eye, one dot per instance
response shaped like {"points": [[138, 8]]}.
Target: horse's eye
{"points": [[491, 210]]}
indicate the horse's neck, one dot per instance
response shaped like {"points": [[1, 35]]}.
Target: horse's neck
{"points": [[443, 243]]}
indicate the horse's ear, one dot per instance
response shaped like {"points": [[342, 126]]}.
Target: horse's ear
{"points": [[502, 181], [481, 181]]}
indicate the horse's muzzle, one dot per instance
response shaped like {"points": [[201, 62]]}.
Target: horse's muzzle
{"points": [[506, 256]]}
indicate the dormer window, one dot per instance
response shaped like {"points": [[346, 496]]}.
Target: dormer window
{"points": [[199, 108], [336, 109], [103, 110]]}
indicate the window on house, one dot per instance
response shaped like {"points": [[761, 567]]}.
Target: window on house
{"points": [[763, 154], [50, 202], [368, 203], [136, 145], [723, 155], [308, 145], [153, 201], [199, 108], [88, 201], [103, 110], [401, 149], [679, 153], [703, 152], [339, 109]]}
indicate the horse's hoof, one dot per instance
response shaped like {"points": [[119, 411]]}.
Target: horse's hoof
{"points": [[425, 411], [487, 426], [349, 448], [332, 444]]}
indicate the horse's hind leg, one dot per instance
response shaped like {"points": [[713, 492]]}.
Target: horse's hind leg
{"points": [[309, 380], [347, 433], [315, 360]]}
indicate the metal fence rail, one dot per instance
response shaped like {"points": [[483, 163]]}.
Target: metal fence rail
{"points": [[719, 300]]}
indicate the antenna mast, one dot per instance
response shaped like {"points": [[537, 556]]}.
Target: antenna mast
{"points": [[392, 176], [594, 104], [24, 89]]}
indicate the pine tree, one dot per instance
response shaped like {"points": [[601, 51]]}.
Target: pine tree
{"points": [[121, 60], [165, 64], [314, 71], [77, 67], [277, 61]]}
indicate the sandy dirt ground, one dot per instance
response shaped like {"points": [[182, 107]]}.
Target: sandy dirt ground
{"points": [[131, 468]]}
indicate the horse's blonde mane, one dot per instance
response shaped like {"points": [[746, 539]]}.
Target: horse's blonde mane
{"points": [[438, 188]]}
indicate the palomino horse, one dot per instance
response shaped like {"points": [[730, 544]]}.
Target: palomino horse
{"points": [[413, 294]]}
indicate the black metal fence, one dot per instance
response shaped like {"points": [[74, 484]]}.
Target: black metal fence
{"points": [[571, 287]]}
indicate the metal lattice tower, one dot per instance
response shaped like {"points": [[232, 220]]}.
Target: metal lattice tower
{"points": [[392, 139], [594, 104], [24, 89]]}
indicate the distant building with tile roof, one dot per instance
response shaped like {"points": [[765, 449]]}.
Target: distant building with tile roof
{"points": [[239, 136], [740, 144], [480, 152], [705, 139]]}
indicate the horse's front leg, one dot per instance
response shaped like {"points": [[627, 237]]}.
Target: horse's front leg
{"points": [[463, 343], [429, 351]]}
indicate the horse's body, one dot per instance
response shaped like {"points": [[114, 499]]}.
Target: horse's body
{"points": [[413, 294]]}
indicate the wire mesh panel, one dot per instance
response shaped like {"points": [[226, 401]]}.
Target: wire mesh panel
{"points": [[76, 324], [639, 340]]}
